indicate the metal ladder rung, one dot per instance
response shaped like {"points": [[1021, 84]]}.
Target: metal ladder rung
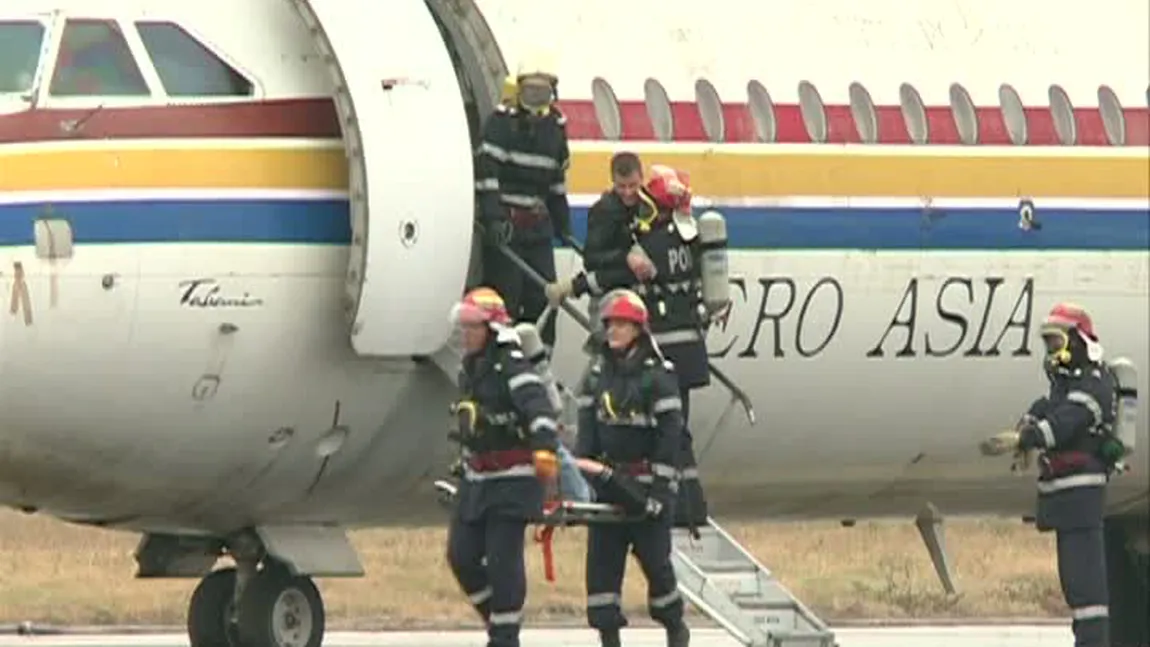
{"points": [[711, 567], [763, 605], [728, 584]]}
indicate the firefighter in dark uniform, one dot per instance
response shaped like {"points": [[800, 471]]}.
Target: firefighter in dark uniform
{"points": [[652, 249], [520, 181], [607, 258], [507, 429], [630, 418], [1070, 429]]}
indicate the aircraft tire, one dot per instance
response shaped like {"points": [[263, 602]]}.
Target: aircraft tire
{"points": [[210, 608], [281, 610]]}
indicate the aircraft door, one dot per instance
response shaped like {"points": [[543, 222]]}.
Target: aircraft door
{"points": [[411, 183]]}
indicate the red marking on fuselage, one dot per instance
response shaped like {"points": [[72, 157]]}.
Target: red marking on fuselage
{"points": [[317, 118]]}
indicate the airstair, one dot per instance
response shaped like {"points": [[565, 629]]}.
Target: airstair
{"points": [[715, 573], [725, 581]]}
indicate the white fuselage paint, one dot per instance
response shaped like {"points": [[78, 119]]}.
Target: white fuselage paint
{"points": [[108, 413]]}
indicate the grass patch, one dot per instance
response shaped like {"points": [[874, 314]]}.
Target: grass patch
{"points": [[52, 572]]}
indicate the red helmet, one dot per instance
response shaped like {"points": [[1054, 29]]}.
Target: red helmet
{"points": [[670, 188], [624, 305], [479, 306], [1067, 317]]}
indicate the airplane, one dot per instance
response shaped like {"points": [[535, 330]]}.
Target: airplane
{"points": [[232, 231]]}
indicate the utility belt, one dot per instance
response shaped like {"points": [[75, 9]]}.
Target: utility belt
{"points": [[499, 460], [675, 301], [639, 471], [1063, 463], [525, 212], [644, 472], [1069, 469], [670, 288]]}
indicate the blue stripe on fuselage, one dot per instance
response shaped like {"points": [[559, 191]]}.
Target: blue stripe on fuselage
{"points": [[326, 222]]}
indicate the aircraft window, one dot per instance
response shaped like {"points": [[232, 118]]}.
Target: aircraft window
{"points": [[914, 114], [1013, 114], [659, 110], [1112, 119], [606, 108], [1063, 112], [813, 111], [762, 112], [965, 116], [863, 111], [186, 67], [20, 42], [95, 60], [710, 110]]}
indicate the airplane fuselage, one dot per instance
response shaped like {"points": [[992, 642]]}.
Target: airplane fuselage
{"points": [[187, 367]]}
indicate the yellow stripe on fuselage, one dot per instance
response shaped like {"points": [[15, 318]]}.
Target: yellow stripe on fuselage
{"points": [[717, 172]]}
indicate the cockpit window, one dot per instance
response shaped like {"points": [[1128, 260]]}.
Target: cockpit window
{"points": [[95, 60], [20, 42], [186, 67]]}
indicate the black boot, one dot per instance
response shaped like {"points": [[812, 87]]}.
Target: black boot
{"points": [[678, 635], [610, 638]]}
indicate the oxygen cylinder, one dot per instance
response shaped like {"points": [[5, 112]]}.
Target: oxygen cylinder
{"points": [[1126, 421], [716, 274], [536, 353]]}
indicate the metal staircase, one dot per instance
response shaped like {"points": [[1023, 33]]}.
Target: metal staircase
{"points": [[725, 581]]}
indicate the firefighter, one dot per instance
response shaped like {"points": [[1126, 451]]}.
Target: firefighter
{"points": [[1071, 429], [507, 430], [606, 260], [630, 418], [521, 187], [652, 247]]}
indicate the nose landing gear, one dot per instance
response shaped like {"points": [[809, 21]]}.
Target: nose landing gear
{"points": [[275, 609]]}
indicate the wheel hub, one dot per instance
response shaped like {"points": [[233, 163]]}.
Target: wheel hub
{"points": [[291, 619]]}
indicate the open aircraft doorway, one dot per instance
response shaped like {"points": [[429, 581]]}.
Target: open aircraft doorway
{"points": [[407, 116]]}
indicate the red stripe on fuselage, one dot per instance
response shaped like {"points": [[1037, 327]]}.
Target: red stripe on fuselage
{"points": [[309, 118], [317, 118]]}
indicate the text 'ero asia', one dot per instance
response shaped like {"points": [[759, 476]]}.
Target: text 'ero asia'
{"points": [[961, 316]]}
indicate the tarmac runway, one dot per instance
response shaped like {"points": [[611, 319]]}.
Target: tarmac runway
{"points": [[954, 636]]}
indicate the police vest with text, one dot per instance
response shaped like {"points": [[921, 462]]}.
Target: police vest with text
{"points": [[674, 295]]}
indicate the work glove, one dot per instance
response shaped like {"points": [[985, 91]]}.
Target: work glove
{"points": [[721, 314], [1007, 442], [558, 291], [640, 264], [1004, 442], [456, 470], [653, 509], [498, 231], [546, 465]]}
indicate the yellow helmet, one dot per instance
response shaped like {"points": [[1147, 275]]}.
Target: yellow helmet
{"points": [[537, 65], [536, 81], [509, 93]]}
